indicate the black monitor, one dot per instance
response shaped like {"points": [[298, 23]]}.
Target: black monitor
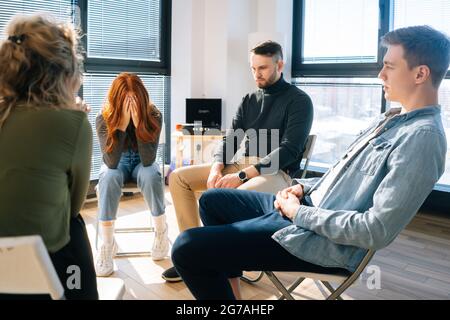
{"points": [[206, 110]]}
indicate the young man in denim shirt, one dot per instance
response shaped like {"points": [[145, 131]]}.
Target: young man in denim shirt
{"points": [[362, 202]]}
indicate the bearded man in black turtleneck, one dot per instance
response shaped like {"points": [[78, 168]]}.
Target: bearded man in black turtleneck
{"points": [[275, 122]]}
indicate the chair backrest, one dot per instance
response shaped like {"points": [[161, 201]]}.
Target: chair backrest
{"points": [[26, 268], [307, 154]]}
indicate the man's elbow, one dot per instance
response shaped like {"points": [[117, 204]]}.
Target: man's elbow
{"points": [[379, 241]]}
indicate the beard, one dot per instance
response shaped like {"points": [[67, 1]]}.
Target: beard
{"points": [[267, 83]]}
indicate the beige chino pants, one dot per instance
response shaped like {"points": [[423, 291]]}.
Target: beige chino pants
{"points": [[187, 183]]}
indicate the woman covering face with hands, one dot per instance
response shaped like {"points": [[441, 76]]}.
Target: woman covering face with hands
{"points": [[128, 129]]}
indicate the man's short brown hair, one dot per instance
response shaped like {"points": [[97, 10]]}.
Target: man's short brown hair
{"points": [[423, 45], [269, 48]]}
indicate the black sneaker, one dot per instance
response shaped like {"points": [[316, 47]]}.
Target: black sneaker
{"points": [[171, 275]]}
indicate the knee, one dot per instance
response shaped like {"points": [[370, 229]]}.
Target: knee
{"points": [[212, 197], [110, 176], [185, 247], [205, 199], [209, 201], [149, 175], [174, 178]]}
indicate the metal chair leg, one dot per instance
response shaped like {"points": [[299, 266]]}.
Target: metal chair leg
{"points": [[250, 280], [334, 294], [295, 284], [285, 294], [134, 230]]}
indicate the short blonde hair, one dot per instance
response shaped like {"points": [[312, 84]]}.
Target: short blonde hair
{"points": [[40, 64]]}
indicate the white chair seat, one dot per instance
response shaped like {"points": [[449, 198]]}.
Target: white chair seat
{"points": [[26, 268], [110, 288]]}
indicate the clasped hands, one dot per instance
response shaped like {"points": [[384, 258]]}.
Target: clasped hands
{"points": [[288, 201]]}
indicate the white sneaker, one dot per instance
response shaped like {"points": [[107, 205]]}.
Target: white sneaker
{"points": [[104, 266], [161, 245]]}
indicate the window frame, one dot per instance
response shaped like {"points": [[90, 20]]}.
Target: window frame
{"points": [[163, 67], [338, 70]]}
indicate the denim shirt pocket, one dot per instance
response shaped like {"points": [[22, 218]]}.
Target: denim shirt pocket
{"points": [[373, 156]]}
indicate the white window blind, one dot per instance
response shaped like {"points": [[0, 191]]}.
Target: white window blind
{"points": [[61, 9], [95, 89], [340, 31], [122, 29]]}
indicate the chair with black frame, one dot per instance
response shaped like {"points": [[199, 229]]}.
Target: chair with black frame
{"points": [[345, 280], [307, 153]]}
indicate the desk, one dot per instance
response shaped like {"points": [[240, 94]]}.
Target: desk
{"points": [[201, 148]]}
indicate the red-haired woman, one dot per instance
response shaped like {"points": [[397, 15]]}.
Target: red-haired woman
{"points": [[128, 130]]}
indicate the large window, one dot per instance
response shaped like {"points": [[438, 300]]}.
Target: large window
{"points": [[62, 9], [338, 37], [352, 40], [336, 59], [342, 108], [435, 13], [444, 100], [123, 29]]}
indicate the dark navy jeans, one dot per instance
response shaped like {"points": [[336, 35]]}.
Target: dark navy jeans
{"points": [[236, 236]]}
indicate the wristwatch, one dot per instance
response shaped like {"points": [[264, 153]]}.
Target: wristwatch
{"points": [[243, 176]]}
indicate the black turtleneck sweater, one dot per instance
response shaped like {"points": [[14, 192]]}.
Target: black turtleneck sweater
{"points": [[280, 106]]}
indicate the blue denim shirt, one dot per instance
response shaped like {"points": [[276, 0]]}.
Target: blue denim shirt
{"points": [[376, 194]]}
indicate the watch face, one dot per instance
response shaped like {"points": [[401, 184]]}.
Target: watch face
{"points": [[242, 175]]}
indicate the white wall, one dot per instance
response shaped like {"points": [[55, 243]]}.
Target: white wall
{"points": [[181, 60], [210, 49]]}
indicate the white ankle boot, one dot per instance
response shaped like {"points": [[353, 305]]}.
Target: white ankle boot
{"points": [[104, 265], [161, 243]]}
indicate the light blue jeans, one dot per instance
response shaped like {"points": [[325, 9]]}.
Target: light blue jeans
{"points": [[111, 182]]}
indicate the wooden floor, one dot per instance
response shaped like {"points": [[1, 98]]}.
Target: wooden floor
{"points": [[415, 266]]}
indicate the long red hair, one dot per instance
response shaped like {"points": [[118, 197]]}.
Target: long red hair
{"points": [[148, 127]]}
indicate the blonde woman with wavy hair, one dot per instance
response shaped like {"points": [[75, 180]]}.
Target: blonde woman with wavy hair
{"points": [[45, 144]]}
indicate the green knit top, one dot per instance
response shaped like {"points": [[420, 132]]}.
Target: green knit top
{"points": [[45, 157]]}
